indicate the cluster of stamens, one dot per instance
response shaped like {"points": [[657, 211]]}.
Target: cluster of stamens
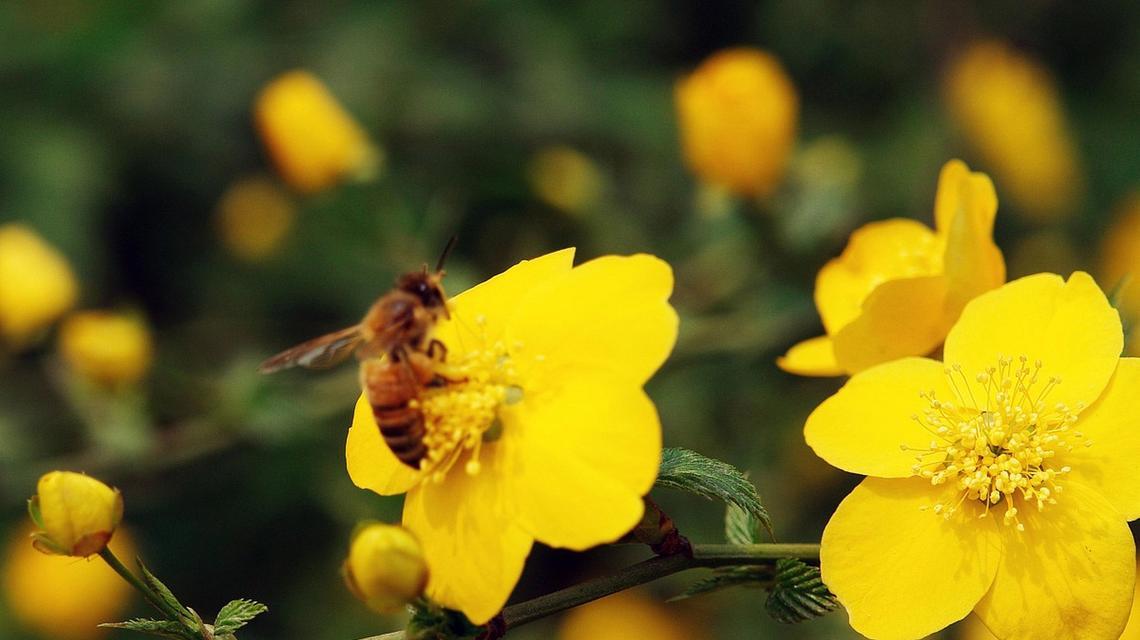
{"points": [[462, 413], [996, 438]]}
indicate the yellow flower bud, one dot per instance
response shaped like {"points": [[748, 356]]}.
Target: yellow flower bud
{"points": [[106, 348], [1009, 109], [76, 514], [36, 284], [566, 179], [1120, 263], [63, 598], [629, 614], [737, 115], [314, 142], [253, 218], [385, 567]]}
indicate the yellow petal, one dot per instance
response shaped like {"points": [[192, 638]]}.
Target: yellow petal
{"points": [[474, 549], [586, 452], [948, 198], [973, 263], [901, 571], [1068, 576], [1069, 326], [864, 426], [814, 357], [609, 313], [480, 313], [1108, 464], [904, 317], [371, 464], [877, 252]]}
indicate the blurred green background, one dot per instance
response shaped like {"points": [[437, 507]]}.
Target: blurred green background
{"points": [[123, 123]]}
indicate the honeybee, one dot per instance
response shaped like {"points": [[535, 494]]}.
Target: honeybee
{"points": [[398, 326]]}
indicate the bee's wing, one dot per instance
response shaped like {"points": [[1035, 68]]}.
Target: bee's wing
{"points": [[318, 353]]}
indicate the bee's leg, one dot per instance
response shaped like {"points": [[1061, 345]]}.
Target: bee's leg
{"points": [[437, 351]]}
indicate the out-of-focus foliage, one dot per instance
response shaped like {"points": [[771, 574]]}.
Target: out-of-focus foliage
{"points": [[127, 126]]}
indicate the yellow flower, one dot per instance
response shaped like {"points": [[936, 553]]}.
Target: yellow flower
{"points": [[64, 598], [253, 218], [385, 568], [737, 116], [565, 179], [547, 434], [1001, 480], [1120, 263], [1009, 109], [899, 286], [626, 615], [36, 283], [107, 348], [76, 514], [312, 139]]}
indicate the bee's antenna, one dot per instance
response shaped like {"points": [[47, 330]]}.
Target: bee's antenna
{"points": [[446, 252]]}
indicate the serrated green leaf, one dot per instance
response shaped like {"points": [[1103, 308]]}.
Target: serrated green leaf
{"points": [[690, 471], [164, 592], [798, 593], [740, 527], [737, 576], [236, 614], [160, 628]]}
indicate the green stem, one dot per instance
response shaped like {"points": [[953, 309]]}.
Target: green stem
{"points": [[140, 586], [705, 556]]}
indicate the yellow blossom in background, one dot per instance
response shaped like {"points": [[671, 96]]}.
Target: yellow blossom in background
{"points": [[624, 616], [64, 598], [1001, 479], [1120, 263], [314, 142], [76, 514], [899, 285], [385, 567], [1009, 109], [253, 218], [737, 116], [566, 179], [107, 348], [36, 284], [547, 435]]}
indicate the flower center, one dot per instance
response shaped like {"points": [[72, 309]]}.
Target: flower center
{"points": [[996, 437], [460, 415]]}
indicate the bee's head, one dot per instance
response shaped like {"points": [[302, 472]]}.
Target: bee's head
{"points": [[428, 287]]}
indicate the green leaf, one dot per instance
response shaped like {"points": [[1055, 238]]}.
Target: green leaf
{"points": [[164, 593], [734, 577], [798, 593], [690, 471], [34, 511], [236, 614], [740, 527], [433, 622], [160, 628]]}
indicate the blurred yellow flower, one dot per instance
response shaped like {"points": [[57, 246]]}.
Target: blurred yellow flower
{"points": [[899, 286], [76, 514], [549, 436], [64, 598], [106, 348], [312, 139], [1120, 263], [624, 616], [1001, 480], [737, 115], [565, 178], [385, 568], [1008, 107], [36, 283], [253, 218]]}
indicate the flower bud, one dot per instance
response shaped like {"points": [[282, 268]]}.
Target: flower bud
{"points": [[36, 284], [106, 348], [566, 179], [76, 514], [385, 567], [314, 142], [254, 218], [737, 115]]}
